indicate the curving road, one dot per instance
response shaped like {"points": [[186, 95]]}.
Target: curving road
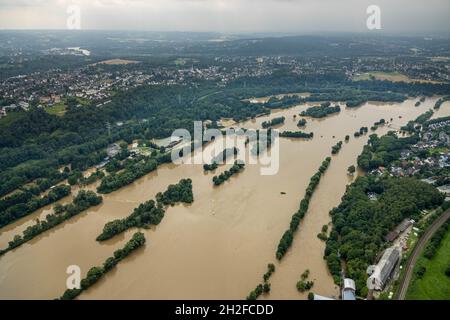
{"points": [[404, 284]]}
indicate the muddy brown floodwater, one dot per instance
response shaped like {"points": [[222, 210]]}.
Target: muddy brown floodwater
{"points": [[218, 247]]}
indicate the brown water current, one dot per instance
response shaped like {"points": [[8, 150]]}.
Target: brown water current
{"points": [[218, 247]]}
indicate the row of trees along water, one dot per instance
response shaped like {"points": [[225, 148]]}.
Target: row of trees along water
{"points": [[150, 213], [81, 202], [322, 111], [274, 122], [226, 175], [220, 158], [22, 203], [360, 224], [288, 237], [80, 136], [297, 134], [96, 273], [263, 287]]}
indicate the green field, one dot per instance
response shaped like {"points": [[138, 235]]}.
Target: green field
{"points": [[58, 109], [434, 285], [10, 118], [379, 75], [389, 76]]}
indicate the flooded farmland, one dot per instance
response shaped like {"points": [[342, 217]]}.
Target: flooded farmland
{"points": [[218, 247]]}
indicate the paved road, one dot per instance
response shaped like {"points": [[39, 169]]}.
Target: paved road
{"points": [[403, 288]]}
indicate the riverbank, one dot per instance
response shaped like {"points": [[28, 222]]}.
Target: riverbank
{"points": [[218, 247]]}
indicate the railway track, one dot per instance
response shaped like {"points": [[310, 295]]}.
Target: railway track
{"points": [[404, 284]]}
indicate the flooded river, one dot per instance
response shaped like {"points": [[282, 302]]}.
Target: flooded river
{"points": [[218, 247]]}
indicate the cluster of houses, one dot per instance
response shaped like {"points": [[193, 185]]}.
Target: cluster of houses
{"points": [[21, 105], [411, 163], [48, 88]]}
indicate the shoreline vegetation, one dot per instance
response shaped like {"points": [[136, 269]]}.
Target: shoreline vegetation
{"points": [[416, 125], [50, 134], [23, 203], [150, 213], [377, 124], [81, 202], [304, 284], [302, 123], [439, 103], [221, 158], [322, 111], [336, 148], [261, 142], [67, 142], [133, 170], [297, 134], [274, 122], [262, 288], [288, 237], [362, 131], [285, 102], [226, 175], [96, 273], [360, 222]]}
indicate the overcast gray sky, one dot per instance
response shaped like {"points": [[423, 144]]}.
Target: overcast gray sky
{"points": [[299, 16]]}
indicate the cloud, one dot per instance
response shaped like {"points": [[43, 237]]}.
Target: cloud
{"points": [[229, 15]]}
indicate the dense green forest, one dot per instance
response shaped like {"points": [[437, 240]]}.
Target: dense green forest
{"points": [[95, 273], [360, 224], [35, 144]]}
